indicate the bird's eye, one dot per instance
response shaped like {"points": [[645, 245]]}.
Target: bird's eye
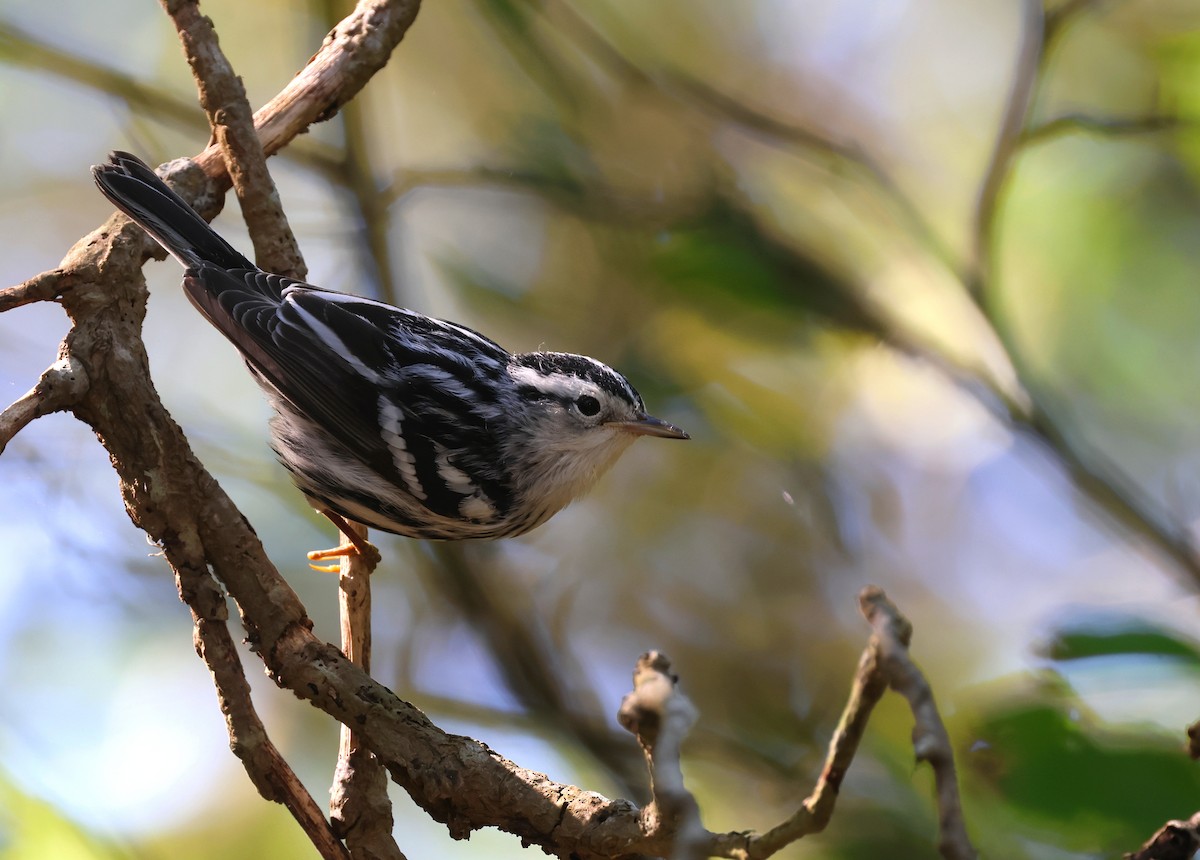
{"points": [[588, 405]]}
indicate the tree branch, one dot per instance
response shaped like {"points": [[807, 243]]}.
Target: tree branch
{"points": [[1175, 840], [891, 638], [46, 287], [59, 389], [223, 97], [352, 53], [359, 804], [660, 717], [1006, 144], [1071, 123], [270, 773]]}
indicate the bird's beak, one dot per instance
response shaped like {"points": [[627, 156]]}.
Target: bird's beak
{"points": [[648, 425]]}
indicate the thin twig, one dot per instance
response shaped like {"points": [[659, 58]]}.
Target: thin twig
{"points": [[1040, 31], [660, 716], [28, 50], [46, 287], [268, 770], [931, 742], [359, 805], [815, 812], [223, 97], [59, 389], [1075, 123], [1005, 145], [25, 49]]}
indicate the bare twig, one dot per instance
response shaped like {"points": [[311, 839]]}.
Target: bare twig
{"points": [[59, 389], [268, 770], [1006, 144], [359, 805], [1072, 123], [223, 97], [660, 717], [1040, 30], [45, 287], [25, 49], [1175, 840], [930, 739], [817, 809]]}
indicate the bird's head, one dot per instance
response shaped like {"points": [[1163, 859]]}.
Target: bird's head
{"points": [[576, 416]]}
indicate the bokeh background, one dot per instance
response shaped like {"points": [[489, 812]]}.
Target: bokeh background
{"points": [[767, 215]]}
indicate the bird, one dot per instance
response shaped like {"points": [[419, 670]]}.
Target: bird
{"points": [[385, 416]]}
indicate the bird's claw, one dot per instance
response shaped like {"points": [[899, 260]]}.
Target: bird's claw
{"points": [[365, 549]]}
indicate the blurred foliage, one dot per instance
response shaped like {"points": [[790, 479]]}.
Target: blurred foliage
{"points": [[1112, 637], [1052, 765], [32, 829], [764, 214]]}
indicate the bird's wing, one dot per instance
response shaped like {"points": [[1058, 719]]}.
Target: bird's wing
{"points": [[405, 393]]}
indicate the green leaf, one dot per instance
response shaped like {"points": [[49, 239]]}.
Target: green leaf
{"points": [[1114, 637]]}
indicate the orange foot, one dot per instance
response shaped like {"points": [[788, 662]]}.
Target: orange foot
{"points": [[352, 545]]}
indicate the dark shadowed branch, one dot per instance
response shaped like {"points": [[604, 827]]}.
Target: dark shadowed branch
{"points": [[1175, 840]]}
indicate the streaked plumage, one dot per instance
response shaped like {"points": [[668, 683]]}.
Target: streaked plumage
{"points": [[388, 417]]}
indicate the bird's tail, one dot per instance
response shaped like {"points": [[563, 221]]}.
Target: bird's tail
{"points": [[139, 193]]}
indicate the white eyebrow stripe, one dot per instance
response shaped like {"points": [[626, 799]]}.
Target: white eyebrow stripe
{"points": [[559, 384]]}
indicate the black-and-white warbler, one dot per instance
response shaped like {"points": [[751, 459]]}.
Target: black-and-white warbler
{"points": [[388, 417]]}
